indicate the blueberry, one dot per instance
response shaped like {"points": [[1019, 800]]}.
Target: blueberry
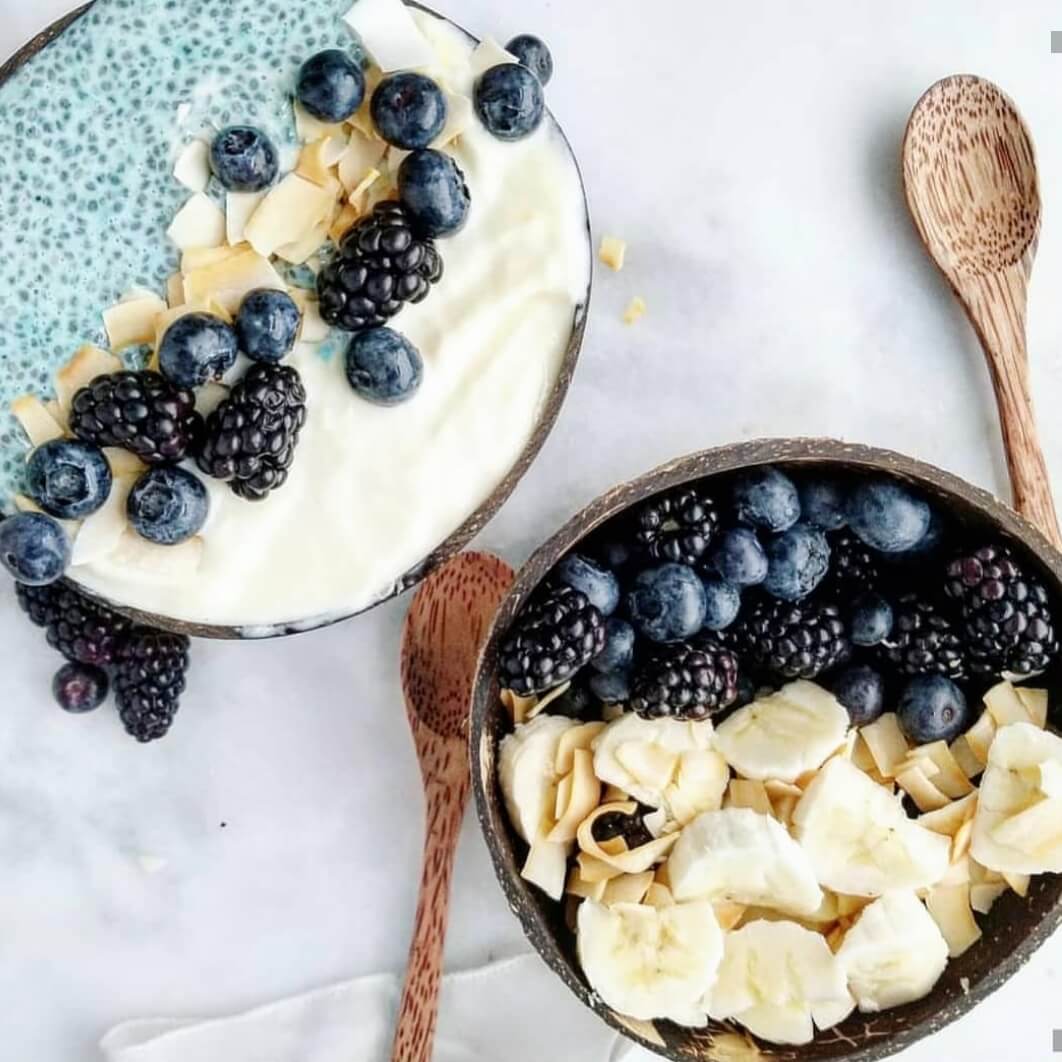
{"points": [[797, 561], [722, 603], [766, 498], [531, 51], [433, 189], [932, 708], [862, 691], [196, 348], [618, 654], [68, 479], [739, 558], [383, 366], [330, 86], [80, 688], [34, 548], [575, 702], [168, 505], [746, 691], [268, 325], [599, 585], [667, 603], [509, 101], [611, 687], [244, 159], [871, 620], [926, 548], [408, 110], [887, 516], [822, 503]]}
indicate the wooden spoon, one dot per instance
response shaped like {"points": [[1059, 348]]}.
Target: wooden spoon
{"points": [[969, 171], [443, 635]]}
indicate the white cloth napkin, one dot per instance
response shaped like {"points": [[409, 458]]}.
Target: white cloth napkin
{"points": [[515, 1009]]}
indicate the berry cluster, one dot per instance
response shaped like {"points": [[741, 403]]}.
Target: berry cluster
{"points": [[146, 667], [708, 592]]}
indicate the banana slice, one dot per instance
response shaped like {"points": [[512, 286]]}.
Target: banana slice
{"points": [[664, 763], [1018, 825], [859, 837], [780, 981], [528, 777], [894, 954], [651, 962], [744, 857], [785, 734]]}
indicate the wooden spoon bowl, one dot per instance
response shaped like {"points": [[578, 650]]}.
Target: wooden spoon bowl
{"points": [[1013, 930]]}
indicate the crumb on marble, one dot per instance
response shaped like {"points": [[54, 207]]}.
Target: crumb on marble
{"points": [[964, 984], [613, 252], [635, 310]]}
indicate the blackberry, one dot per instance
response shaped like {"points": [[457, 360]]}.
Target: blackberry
{"points": [[854, 569], [551, 641], [81, 629], [923, 640], [139, 411], [251, 437], [791, 640], [1008, 624], [678, 526], [685, 682], [631, 828], [382, 263], [150, 680]]}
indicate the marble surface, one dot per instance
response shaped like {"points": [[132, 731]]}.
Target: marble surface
{"points": [[749, 154]]}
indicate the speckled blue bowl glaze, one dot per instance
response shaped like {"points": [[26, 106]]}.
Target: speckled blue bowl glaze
{"points": [[94, 112]]}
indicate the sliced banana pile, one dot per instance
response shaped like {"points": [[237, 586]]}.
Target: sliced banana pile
{"points": [[781, 869]]}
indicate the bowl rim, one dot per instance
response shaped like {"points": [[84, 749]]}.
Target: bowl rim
{"points": [[457, 539], [689, 467]]}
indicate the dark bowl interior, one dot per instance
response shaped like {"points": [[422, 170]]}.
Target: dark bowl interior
{"points": [[457, 539], [1014, 928]]}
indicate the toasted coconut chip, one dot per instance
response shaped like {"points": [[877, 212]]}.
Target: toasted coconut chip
{"points": [[849, 906], [587, 890], [746, 793], [861, 756], [524, 709], [229, 281], [957, 874], [960, 843], [209, 397], [132, 323], [613, 252], [174, 290], [614, 846], [949, 778], [317, 159], [963, 755], [984, 895], [38, 424], [123, 462], [199, 223], [835, 938], [948, 819], [361, 188], [1018, 882], [193, 166], [360, 156], [630, 861], [950, 907], [308, 128], [980, 736], [299, 252], [289, 212], [628, 888], [201, 257], [239, 208], [658, 895], [1035, 703], [344, 222], [576, 737], [593, 870], [886, 744], [88, 363], [547, 866], [613, 794], [728, 914], [577, 796], [1006, 706], [914, 781]]}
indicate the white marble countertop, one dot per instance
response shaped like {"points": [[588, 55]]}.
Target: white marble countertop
{"points": [[749, 154]]}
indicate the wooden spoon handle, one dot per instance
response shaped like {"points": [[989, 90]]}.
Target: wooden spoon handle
{"points": [[996, 305], [417, 1014]]}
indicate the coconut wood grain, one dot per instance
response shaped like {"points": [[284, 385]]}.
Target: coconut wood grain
{"points": [[972, 187], [444, 633]]}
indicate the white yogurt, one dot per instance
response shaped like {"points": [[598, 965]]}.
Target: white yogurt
{"points": [[374, 490]]}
